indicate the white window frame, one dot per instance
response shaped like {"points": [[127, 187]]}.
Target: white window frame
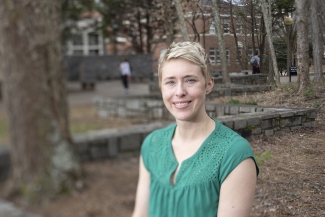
{"points": [[218, 57], [228, 54], [239, 27], [212, 29], [226, 26], [212, 55]]}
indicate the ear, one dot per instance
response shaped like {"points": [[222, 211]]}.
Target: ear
{"points": [[209, 85]]}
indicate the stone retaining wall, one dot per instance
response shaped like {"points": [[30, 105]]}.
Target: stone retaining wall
{"points": [[244, 119]]}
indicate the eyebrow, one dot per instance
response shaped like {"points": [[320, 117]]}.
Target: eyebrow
{"points": [[186, 76]]}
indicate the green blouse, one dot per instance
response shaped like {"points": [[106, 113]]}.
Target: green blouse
{"points": [[198, 181]]}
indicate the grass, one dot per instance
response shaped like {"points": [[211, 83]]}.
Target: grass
{"points": [[261, 158], [236, 101], [76, 128]]}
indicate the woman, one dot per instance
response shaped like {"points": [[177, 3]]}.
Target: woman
{"points": [[197, 167]]}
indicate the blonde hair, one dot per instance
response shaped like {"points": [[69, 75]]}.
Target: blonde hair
{"points": [[191, 51]]}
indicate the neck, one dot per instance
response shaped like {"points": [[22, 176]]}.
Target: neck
{"points": [[190, 131]]}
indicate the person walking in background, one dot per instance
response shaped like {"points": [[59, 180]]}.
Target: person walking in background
{"points": [[196, 167], [125, 70], [255, 62]]}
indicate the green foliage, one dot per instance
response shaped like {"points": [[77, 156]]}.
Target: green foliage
{"points": [[280, 48], [309, 93], [261, 158], [317, 104], [236, 101], [289, 88], [82, 127]]}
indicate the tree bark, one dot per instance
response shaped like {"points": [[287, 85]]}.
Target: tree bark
{"points": [[181, 19], [168, 23], [317, 45], [268, 28], [42, 159], [302, 46], [221, 42]]}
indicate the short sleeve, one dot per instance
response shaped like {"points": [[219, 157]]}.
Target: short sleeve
{"points": [[237, 151], [145, 150]]}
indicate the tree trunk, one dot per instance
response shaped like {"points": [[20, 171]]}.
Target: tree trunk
{"points": [[221, 42], [168, 23], [302, 46], [42, 159], [268, 28], [317, 51], [181, 19]]}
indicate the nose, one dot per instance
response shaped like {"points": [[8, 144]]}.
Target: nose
{"points": [[180, 89]]}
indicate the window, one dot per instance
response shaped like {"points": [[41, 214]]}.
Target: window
{"points": [[226, 26], [257, 26], [239, 54], [212, 55], [218, 57], [228, 55], [212, 29], [239, 27], [77, 40], [93, 39]]}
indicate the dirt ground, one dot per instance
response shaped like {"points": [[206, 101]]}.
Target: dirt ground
{"points": [[291, 180]]}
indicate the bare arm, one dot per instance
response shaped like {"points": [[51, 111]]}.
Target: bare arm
{"points": [[142, 196], [238, 191]]}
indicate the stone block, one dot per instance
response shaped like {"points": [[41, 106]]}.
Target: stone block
{"points": [[240, 124], [253, 121], [130, 141], [210, 107], [268, 132], [310, 124], [296, 127], [98, 149], [256, 131], [220, 110], [229, 123], [246, 109], [112, 148], [268, 123], [233, 110], [287, 114], [312, 113]]}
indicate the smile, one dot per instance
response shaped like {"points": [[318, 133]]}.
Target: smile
{"points": [[181, 104]]}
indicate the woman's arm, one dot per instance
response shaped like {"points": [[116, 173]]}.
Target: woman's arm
{"points": [[142, 195], [238, 191]]}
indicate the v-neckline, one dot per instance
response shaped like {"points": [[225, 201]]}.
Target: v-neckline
{"points": [[180, 164]]}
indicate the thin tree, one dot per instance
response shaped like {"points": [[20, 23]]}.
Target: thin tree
{"points": [[42, 159], [268, 28], [317, 39], [302, 45], [181, 19], [168, 22], [221, 42]]}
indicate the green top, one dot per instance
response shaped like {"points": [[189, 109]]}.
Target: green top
{"points": [[197, 188]]}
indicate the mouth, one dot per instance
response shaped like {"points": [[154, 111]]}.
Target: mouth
{"points": [[182, 104]]}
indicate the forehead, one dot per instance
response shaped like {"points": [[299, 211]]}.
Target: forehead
{"points": [[180, 66]]}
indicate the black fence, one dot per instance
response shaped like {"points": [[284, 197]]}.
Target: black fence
{"points": [[106, 67]]}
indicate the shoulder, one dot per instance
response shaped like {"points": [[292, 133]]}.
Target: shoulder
{"points": [[156, 138]]}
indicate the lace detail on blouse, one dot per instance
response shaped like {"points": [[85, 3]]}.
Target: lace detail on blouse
{"points": [[202, 167]]}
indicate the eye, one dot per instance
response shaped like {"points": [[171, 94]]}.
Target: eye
{"points": [[190, 80], [169, 82]]}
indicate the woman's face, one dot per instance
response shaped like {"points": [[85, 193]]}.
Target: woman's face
{"points": [[183, 88]]}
